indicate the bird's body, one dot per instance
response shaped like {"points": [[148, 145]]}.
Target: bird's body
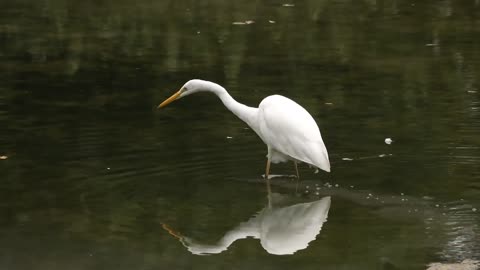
{"points": [[287, 129], [290, 133]]}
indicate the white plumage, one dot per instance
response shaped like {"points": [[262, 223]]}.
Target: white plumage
{"points": [[287, 129], [291, 133]]}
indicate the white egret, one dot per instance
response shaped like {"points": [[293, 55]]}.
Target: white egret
{"points": [[287, 129]]}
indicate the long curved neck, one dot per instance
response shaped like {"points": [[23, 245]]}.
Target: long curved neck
{"points": [[245, 113]]}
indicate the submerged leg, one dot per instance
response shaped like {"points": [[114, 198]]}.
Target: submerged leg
{"points": [[296, 169]]}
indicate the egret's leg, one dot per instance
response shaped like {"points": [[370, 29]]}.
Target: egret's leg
{"points": [[296, 169], [267, 170], [267, 181]]}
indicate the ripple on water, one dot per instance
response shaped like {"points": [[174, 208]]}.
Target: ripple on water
{"points": [[461, 225]]}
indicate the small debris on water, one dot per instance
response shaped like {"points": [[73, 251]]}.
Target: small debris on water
{"points": [[108, 168], [388, 140], [3, 157], [228, 137], [474, 209], [336, 185], [316, 171], [347, 159], [270, 21], [328, 103], [436, 205], [288, 5], [402, 194], [317, 193]]}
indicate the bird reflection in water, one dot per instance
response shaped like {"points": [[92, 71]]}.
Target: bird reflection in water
{"points": [[281, 230]]}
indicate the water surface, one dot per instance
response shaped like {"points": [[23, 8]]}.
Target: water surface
{"points": [[91, 171]]}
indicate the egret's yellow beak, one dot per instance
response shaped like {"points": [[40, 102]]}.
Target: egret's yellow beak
{"points": [[170, 99]]}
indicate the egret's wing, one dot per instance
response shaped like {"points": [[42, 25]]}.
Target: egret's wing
{"points": [[290, 129]]}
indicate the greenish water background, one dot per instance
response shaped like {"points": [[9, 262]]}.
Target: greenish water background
{"points": [[93, 170]]}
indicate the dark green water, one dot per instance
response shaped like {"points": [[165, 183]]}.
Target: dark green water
{"points": [[91, 171]]}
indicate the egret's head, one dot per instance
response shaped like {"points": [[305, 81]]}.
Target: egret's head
{"points": [[188, 88]]}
